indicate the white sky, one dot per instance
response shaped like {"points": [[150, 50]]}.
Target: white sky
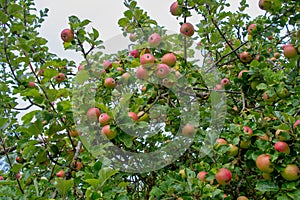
{"points": [[104, 15]]}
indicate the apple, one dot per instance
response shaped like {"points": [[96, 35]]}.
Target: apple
{"points": [[1, 178], [175, 9], [133, 116], [141, 73], [182, 173], [60, 77], [187, 29], [93, 114], [169, 59], [245, 144], [248, 130], [264, 137], [188, 130], [126, 75], [296, 123], [104, 119], [264, 164], [276, 55], [147, 60], [134, 53], [109, 83], [251, 28], [201, 175], [289, 51], [268, 98], [162, 70], [19, 159], [107, 64], [74, 133], [218, 87], [78, 165], [31, 84], [233, 151], [223, 176], [264, 4], [225, 81], [266, 176], [60, 174], [18, 176], [241, 73], [106, 131], [132, 37], [282, 147], [245, 57], [282, 93], [242, 198], [166, 82], [80, 67], [41, 72], [290, 173], [67, 35], [154, 40], [282, 135]]}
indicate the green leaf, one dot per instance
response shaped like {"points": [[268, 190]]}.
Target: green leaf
{"points": [[63, 186], [105, 173], [82, 76], [261, 86], [96, 33], [93, 182], [13, 8], [266, 186], [3, 121], [29, 116], [85, 22], [123, 22]]}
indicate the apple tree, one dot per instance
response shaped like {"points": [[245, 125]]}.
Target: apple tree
{"points": [[209, 112]]}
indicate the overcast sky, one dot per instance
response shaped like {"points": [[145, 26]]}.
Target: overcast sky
{"points": [[104, 15]]}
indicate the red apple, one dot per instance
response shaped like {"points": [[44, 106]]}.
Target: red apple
{"points": [[223, 176], [162, 70], [264, 4], [289, 51], [31, 84], [154, 40], [60, 77], [134, 53], [276, 55], [133, 116], [264, 164], [147, 60], [175, 9], [282, 147], [60, 174], [126, 75], [93, 114], [104, 119], [18, 176], [201, 176], [141, 73], [248, 130], [245, 57], [188, 130], [107, 64], [80, 67], [19, 159], [106, 131], [218, 87], [169, 59], [109, 83], [242, 198], [67, 35], [1, 178], [241, 73], [296, 123], [187, 29], [251, 28], [267, 98], [78, 165], [290, 173], [225, 81]]}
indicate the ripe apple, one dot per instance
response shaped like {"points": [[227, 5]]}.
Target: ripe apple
{"points": [[201, 175], [219, 142], [31, 84], [133, 116], [282, 147], [1, 178], [19, 159], [147, 60], [126, 75], [80, 67], [225, 81], [218, 87], [175, 9], [67, 35], [242, 198], [241, 73], [264, 164], [134, 53], [93, 114], [264, 4], [107, 64], [60, 77], [251, 28], [245, 57], [162, 70], [106, 131], [104, 119], [187, 29], [182, 173], [296, 123], [233, 151], [74, 133], [276, 55], [248, 130], [141, 73], [154, 40], [169, 59], [289, 51], [132, 37], [290, 173], [18, 176], [223, 176], [109, 83], [60, 174], [188, 130]]}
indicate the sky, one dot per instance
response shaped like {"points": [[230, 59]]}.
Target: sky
{"points": [[104, 15]]}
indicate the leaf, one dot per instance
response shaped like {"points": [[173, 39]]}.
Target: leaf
{"points": [[85, 22], [29, 116], [261, 86], [266, 186], [93, 182], [82, 76], [96, 33], [3, 121], [63, 186], [123, 22], [105, 173], [13, 8]]}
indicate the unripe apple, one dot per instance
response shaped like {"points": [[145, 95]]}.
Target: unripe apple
{"points": [[109, 83], [60, 174], [175, 9], [289, 51], [182, 173], [154, 40], [223, 176], [296, 123], [251, 28], [104, 119], [241, 73], [147, 60], [169, 59], [31, 84], [264, 4], [188, 130], [201, 176], [242, 198], [245, 57], [132, 37], [106, 131], [266, 176], [225, 81], [233, 151], [290, 173], [93, 114], [264, 164], [107, 64], [282, 147], [162, 70], [268, 98], [134, 53], [141, 73], [67, 35], [282, 93], [133, 116], [245, 144], [60, 77], [187, 29]]}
